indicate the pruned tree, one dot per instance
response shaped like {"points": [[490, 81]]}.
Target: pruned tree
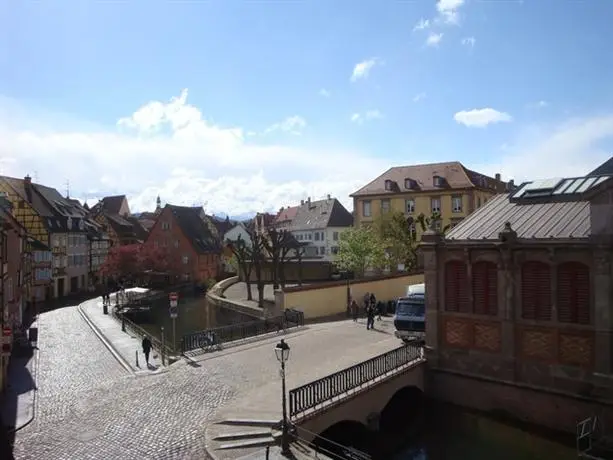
{"points": [[360, 249], [295, 252], [241, 252], [258, 258], [278, 244], [399, 239]]}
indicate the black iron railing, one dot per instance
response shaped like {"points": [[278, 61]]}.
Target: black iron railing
{"points": [[139, 332], [320, 391], [212, 339]]}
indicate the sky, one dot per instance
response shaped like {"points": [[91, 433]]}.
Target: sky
{"points": [[247, 106]]}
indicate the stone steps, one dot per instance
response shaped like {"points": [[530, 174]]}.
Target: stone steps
{"points": [[250, 422]]}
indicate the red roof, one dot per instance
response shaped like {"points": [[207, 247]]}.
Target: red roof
{"points": [[286, 214]]}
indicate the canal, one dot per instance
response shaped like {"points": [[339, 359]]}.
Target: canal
{"points": [[451, 433]]}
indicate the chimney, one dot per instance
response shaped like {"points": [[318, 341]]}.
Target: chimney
{"points": [[309, 201], [301, 202], [510, 185], [497, 176], [281, 210], [329, 197], [27, 180]]}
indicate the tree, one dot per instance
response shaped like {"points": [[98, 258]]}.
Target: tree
{"points": [[278, 244], [161, 260], [426, 222], [359, 249], [121, 262], [398, 237], [241, 253], [258, 257]]}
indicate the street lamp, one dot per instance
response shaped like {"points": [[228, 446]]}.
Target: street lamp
{"points": [[282, 352]]}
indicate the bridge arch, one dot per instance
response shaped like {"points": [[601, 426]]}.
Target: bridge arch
{"points": [[403, 411], [347, 433]]}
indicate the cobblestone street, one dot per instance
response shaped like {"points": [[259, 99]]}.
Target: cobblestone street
{"points": [[89, 407]]}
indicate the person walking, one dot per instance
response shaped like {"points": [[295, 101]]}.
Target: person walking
{"points": [[147, 348], [354, 310], [370, 317]]}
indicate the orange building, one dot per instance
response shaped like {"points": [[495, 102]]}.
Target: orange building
{"points": [[182, 231]]}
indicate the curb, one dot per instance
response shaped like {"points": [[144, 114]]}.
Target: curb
{"points": [[34, 397], [105, 342]]}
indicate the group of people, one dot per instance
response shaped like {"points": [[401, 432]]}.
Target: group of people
{"points": [[370, 308]]}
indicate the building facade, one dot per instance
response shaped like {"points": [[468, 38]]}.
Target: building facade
{"points": [[112, 213], [182, 233], [518, 302], [448, 189]]}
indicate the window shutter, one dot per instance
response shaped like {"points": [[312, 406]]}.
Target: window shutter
{"points": [[536, 291], [485, 288], [456, 289], [573, 301]]}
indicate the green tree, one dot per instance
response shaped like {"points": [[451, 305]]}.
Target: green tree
{"points": [[398, 237], [426, 222], [360, 249]]}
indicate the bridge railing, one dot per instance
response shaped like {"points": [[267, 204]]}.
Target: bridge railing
{"points": [[318, 392], [211, 339]]}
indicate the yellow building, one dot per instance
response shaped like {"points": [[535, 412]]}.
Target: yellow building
{"points": [[449, 189]]}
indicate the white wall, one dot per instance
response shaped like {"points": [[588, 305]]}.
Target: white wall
{"points": [[237, 231], [320, 240]]}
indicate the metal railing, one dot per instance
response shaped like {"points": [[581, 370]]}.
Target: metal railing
{"points": [[320, 391], [343, 452], [138, 331], [211, 339]]}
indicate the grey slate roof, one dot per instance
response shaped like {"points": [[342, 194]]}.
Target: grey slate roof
{"points": [[194, 229], [321, 214], [605, 168], [562, 220]]}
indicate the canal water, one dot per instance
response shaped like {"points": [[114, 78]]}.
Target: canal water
{"points": [[453, 434]]}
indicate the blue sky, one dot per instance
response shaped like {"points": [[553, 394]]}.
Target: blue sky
{"points": [[277, 100]]}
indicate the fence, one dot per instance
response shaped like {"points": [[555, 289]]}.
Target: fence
{"points": [[211, 339], [316, 393], [138, 331]]}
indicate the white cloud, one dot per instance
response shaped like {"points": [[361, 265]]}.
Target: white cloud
{"points": [[324, 92], [293, 125], [422, 24], [434, 39], [362, 69], [360, 118], [480, 118], [448, 10], [469, 41], [539, 105], [419, 97], [171, 149]]}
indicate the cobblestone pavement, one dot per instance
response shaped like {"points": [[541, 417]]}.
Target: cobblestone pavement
{"points": [[88, 407]]}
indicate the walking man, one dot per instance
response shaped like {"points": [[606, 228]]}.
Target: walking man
{"points": [[370, 317], [354, 310], [147, 348]]}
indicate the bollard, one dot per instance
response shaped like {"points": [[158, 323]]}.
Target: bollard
{"points": [[105, 309], [267, 452], [123, 324], [136, 353]]}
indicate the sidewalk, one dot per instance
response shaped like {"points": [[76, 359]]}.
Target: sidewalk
{"points": [[124, 345], [19, 398]]}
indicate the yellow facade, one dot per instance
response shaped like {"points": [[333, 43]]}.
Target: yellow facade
{"points": [[329, 299], [416, 203], [26, 215]]}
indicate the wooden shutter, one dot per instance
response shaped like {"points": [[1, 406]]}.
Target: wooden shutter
{"points": [[573, 300], [536, 291], [456, 289], [485, 288]]}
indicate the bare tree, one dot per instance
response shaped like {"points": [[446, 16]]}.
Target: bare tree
{"points": [[277, 244], [258, 258], [242, 253]]}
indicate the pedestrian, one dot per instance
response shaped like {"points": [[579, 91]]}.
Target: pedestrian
{"points": [[354, 310], [373, 300], [147, 348], [370, 317]]}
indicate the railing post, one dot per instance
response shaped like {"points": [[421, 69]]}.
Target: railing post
{"points": [[136, 353]]}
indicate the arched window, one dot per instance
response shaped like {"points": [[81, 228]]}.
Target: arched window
{"points": [[573, 302], [536, 291], [485, 288], [456, 287]]}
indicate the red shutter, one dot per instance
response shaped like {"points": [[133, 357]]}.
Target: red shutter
{"points": [[573, 301], [456, 289], [536, 291], [485, 288]]}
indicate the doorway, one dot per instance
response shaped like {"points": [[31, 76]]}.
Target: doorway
{"points": [[74, 284], [60, 288]]}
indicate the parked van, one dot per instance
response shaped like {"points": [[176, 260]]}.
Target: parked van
{"points": [[410, 318]]}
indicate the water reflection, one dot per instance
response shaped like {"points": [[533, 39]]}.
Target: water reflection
{"points": [[453, 434], [194, 315]]}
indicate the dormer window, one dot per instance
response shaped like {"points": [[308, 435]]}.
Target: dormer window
{"points": [[388, 185], [437, 181], [410, 184]]}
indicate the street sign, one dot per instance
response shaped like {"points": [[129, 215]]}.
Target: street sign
{"points": [[173, 296], [173, 303], [7, 331], [174, 311]]}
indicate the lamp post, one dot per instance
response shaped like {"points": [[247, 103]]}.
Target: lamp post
{"points": [[282, 352]]}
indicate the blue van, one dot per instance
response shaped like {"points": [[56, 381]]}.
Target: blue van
{"points": [[410, 318]]}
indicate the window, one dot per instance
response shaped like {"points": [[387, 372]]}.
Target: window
{"points": [[366, 208], [56, 241], [334, 236], [410, 206], [437, 181], [42, 274], [385, 206], [156, 244], [456, 204], [176, 243], [485, 288], [165, 226], [409, 184], [9, 289], [573, 302], [388, 185], [322, 250], [413, 230], [334, 250], [456, 287], [536, 291], [316, 236], [185, 260], [435, 205], [478, 202]]}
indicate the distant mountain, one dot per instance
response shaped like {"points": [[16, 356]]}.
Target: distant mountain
{"points": [[236, 217]]}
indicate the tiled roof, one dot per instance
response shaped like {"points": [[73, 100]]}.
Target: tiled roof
{"points": [[112, 204], [194, 228], [139, 230], [561, 220], [455, 176], [286, 214], [321, 214], [605, 168]]}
